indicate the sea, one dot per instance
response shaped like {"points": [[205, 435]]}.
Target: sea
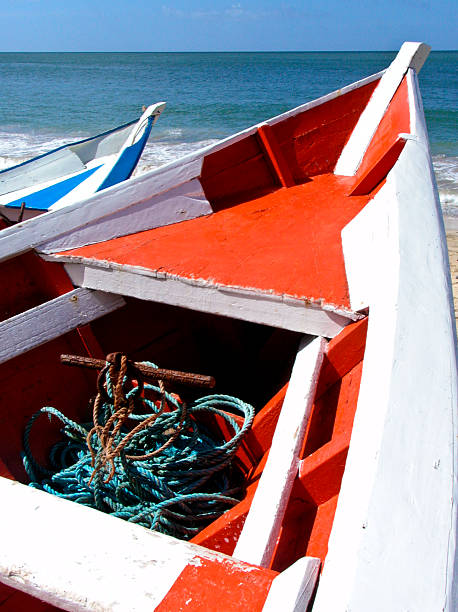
{"points": [[48, 99]]}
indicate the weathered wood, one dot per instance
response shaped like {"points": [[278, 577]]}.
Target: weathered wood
{"points": [[182, 378], [239, 303], [259, 535], [110, 564], [292, 590], [52, 319]]}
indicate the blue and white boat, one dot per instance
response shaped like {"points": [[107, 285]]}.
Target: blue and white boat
{"points": [[75, 171]]}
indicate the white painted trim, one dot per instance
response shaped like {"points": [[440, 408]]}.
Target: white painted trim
{"points": [[259, 535], [52, 319], [247, 304], [292, 590], [183, 202], [393, 544], [119, 201], [411, 55], [154, 111], [80, 559]]}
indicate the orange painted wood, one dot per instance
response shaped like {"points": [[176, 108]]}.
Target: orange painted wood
{"points": [[28, 281], [344, 352], [259, 438], [90, 342], [310, 512], [274, 154], [4, 471], [321, 472], [222, 534], [395, 121], [217, 586], [20, 289], [333, 411], [34, 380], [311, 142], [236, 172], [375, 174], [322, 525], [286, 243]]}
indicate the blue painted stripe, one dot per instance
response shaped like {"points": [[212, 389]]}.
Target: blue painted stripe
{"points": [[44, 198], [127, 160]]}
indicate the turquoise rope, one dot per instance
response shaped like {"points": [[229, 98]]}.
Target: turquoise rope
{"points": [[177, 492]]}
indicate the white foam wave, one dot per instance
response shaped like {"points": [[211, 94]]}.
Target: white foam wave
{"points": [[16, 147], [159, 153], [446, 171]]}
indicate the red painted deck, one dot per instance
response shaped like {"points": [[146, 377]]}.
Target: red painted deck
{"points": [[286, 243]]}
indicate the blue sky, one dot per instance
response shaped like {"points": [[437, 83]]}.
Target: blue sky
{"points": [[219, 25]]}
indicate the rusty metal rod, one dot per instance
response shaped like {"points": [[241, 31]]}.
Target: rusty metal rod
{"points": [[183, 378], [21, 212]]}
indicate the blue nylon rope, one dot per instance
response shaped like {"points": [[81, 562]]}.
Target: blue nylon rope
{"points": [[178, 491]]}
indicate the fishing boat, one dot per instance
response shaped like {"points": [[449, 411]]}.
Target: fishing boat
{"points": [[302, 264], [75, 171]]}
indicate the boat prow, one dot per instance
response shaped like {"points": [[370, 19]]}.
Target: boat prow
{"points": [[302, 263], [75, 171]]}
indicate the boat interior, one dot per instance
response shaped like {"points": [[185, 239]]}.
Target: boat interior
{"points": [[278, 209], [276, 201], [249, 361]]}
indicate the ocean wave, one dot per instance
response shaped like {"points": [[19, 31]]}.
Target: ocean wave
{"points": [[446, 171], [18, 147]]}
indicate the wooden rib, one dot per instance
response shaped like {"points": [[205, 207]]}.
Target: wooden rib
{"points": [[52, 319], [378, 171], [274, 154], [257, 541]]}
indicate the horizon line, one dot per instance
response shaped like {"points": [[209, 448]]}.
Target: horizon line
{"points": [[238, 51]]}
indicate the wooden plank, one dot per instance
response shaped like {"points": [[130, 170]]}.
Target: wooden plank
{"points": [[380, 168], [259, 535], [239, 303], [52, 319], [292, 590], [411, 55]]}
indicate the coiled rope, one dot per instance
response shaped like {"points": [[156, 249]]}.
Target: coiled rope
{"points": [[148, 461]]}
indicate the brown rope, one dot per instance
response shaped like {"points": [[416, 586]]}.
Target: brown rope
{"points": [[119, 367]]}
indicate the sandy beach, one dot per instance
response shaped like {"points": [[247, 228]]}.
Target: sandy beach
{"points": [[452, 243]]}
